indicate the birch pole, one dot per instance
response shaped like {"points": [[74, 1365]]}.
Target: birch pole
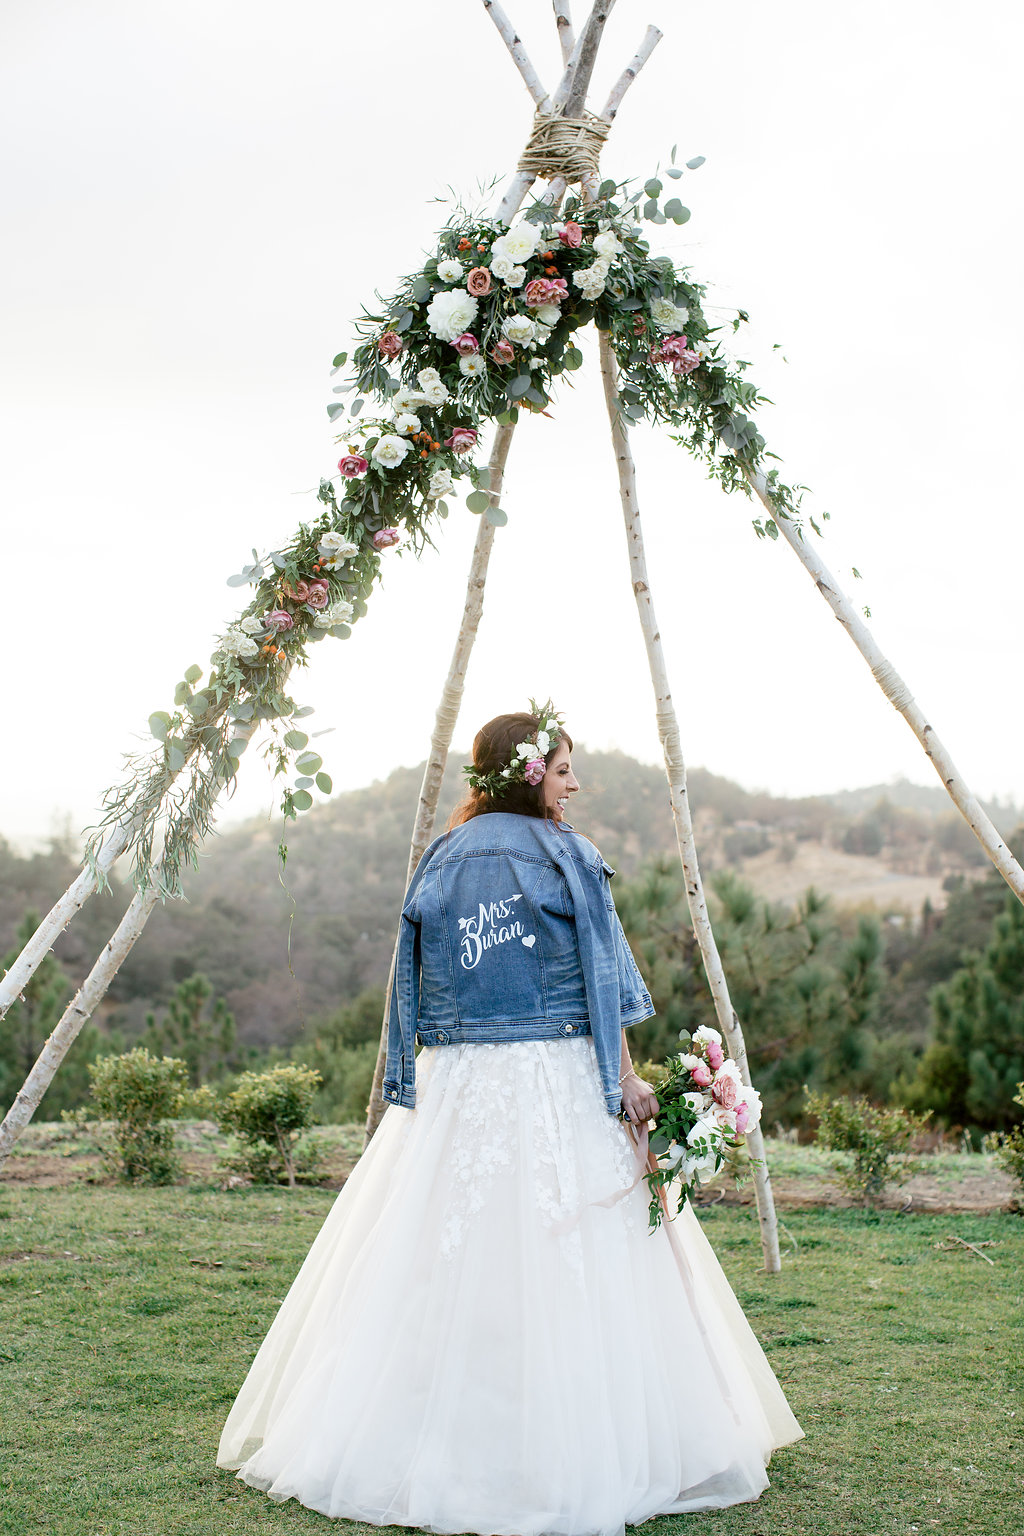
{"points": [[895, 690], [675, 768]]}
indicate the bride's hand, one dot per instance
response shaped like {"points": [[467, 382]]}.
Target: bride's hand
{"points": [[638, 1100]]}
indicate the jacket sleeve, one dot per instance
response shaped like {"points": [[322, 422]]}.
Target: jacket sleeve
{"points": [[399, 1086], [596, 938]]}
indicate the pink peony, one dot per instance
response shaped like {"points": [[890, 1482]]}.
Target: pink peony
{"points": [[278, 619], [461, 440], [466, 345], [545, 290], [701, 1075], [536, 768], [571, 235], [390, 345], [671, 347], [353, 464], [385, 538], [319, 594], [298, 593], [725, 1092], [685, 363], [503, 352], [478, 281], [742, 1116], [714, 1054]]}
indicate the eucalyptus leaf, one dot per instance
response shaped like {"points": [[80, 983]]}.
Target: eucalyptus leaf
{"points": [[651, 209], [182, 692], [303, 783], [404, 321], [537, 396], [295, 740], [159, 724], [300, 714], [241, 709], [573, 358], [335, 410], [653, 187], [478, 501], [674, 172], [497, 516], [309, 762], [241, 580], [193, 674], [339, 631], [237, 745], [421, 290], [606, 189], [698, 160], [302, 800], [483, 476], [340, 360], [518, 386], [324, 783], [175, 758]]}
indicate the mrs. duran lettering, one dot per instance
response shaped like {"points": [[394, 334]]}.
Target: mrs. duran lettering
{"points": [[491, 926]]}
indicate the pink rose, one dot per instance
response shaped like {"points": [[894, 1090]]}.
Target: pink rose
{"points": [[714, 1054], [536, 768], [545, 290], [701, 1075], [385, 538], [319, 594], [571, 235], [353, 464], [503, 352], [466, 345], [685, 363], [742, 1116], [390, 345], [298, 593], [461, 440], [478, 281], [278, 619], [725, 1092]]}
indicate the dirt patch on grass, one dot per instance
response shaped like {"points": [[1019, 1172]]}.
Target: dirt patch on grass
{"points": [[977, 1191]]}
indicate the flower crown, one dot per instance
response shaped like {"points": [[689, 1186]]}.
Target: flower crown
{"points": [[528, 765]]}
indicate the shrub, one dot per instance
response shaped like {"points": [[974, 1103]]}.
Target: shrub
{"points": [[876, 1139], [1008, 1150], [268, 1111], [141, 1093]]}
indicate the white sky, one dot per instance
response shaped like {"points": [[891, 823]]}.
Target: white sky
{"points": [[200, 197]]}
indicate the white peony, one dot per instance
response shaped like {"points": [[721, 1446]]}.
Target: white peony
{"points": [[548, 314], [390, 450], [519, 329], [473, 367], [251, 625], [340, 612], [502, 267], [519, 244], [450, 313], [406, 423], [752, 1099], [237, 643], [690, 1061], [334, 549], [406, 399], [517, 277], [435, 394], [729, 1069], [666, 316], [440, 483], [705, 1032], [450, 271], [607, 245], [724, 1118]]}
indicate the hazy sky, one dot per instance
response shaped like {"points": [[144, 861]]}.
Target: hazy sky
{"points": [[200, 197]]}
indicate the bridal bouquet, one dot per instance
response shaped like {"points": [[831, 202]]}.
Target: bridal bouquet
{"points": [[705, 1109]]}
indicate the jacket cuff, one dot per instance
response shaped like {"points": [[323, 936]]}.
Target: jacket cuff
{"points": [[394, 1093]]}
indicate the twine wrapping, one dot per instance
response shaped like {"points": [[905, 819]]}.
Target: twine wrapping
{"points": [[564, 146]]}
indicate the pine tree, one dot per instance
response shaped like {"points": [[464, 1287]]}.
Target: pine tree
{"points": [[28, 1023], [205, 1042]]}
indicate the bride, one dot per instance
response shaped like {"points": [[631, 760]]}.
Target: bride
{"points": [[485, 1335]]}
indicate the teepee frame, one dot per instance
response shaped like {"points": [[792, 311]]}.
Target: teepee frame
{"points": [[579, 53]]}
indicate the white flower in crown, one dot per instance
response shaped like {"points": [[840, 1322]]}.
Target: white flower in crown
{"points": [[406, 423], [519, 244], [517, 277], [591, 280], [666, 316], [548, 314], [450, 313], [607, 245], [526, 749], [251, 625], [390, 450], [340, 612], [427, 376], [702, 349], [543, 743], [440, 483], [519, 329], [473, 367], [502, 267], [237, 643], [334, 549], [450, 271], [435, 394], [406, 399]]}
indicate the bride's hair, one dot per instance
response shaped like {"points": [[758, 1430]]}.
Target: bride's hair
{"points": [[493, 749]]}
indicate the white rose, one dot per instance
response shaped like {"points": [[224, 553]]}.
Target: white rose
{"points": [[517, 277], [548, 314], [251, 625], [725, 1118], [450, 313], [519, 244], [450, 271], [435, 394], [406, 423], [440, 483], [406, 399], [705, 1032], [390, 450], [519, 329], [752, 1099], [473, 367], [526, 749], [694, 1101], [690, 1061], [427, 376], [502, 267], [607, 245], [334, 549], [666, 316], [340, 612], [591, 280], [237, 643], [543, 743]]}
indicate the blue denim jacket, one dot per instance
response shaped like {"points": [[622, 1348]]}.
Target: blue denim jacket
{"points": [[509, 932]]}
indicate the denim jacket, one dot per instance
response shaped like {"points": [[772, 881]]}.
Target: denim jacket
{"points": [[509, 932]]}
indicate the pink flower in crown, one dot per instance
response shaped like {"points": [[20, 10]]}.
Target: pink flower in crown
{"points": [[701, 1075], [571, 234], [503, 351], [466, 345], [385, 537], [319, 594], [298, 593], [545, 290], [353, 464], [671, 347], [278, 619], [478, 281], [685, 363], [536, 768], [725, 1092], [742, 1116], [461, 440], [715, 1054], [390, 345]]}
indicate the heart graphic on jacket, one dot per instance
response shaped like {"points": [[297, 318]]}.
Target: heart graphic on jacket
{"points": [[530, 940]]}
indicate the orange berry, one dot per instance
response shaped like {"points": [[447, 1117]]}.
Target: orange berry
{"points": [[481, 247], [547, 255], [423, 453]]}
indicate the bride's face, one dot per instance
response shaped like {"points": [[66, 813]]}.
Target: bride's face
{"points": [[559, 782]]}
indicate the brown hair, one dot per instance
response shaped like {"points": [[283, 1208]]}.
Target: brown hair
{"points": [[494, 747]]}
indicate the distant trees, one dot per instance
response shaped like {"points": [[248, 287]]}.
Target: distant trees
{"points": [[204, 1041]]}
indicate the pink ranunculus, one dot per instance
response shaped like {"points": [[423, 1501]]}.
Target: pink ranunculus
{"points": [[319, 594], [701, 1075], [461, 440], [478, 281], [390, 345], [353, 464], [742, 1116], [503, 351], [298, 593], [685, 363], [278, 619], [725, 1092], [536, 768], [571, 235], [545, 290], [715, 1054], [466, 345], [385, 537]]}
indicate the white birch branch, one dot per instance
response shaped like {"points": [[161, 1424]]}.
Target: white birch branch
{"points": [[586, 57], [563, 21], [895, 690], [651, 40], [513, 43], [74, 1016], [675, 768], [518, 187]]}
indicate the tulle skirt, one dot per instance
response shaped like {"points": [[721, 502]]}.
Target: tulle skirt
{"points": [[485, 1336]]}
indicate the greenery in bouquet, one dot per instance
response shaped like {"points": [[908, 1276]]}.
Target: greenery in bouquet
{"points": [[705, 1108]]}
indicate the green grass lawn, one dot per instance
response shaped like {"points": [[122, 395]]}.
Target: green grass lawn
{"points": [[129, 1317]]}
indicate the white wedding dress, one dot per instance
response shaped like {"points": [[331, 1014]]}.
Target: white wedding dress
{"points": [[475, 1343]]}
